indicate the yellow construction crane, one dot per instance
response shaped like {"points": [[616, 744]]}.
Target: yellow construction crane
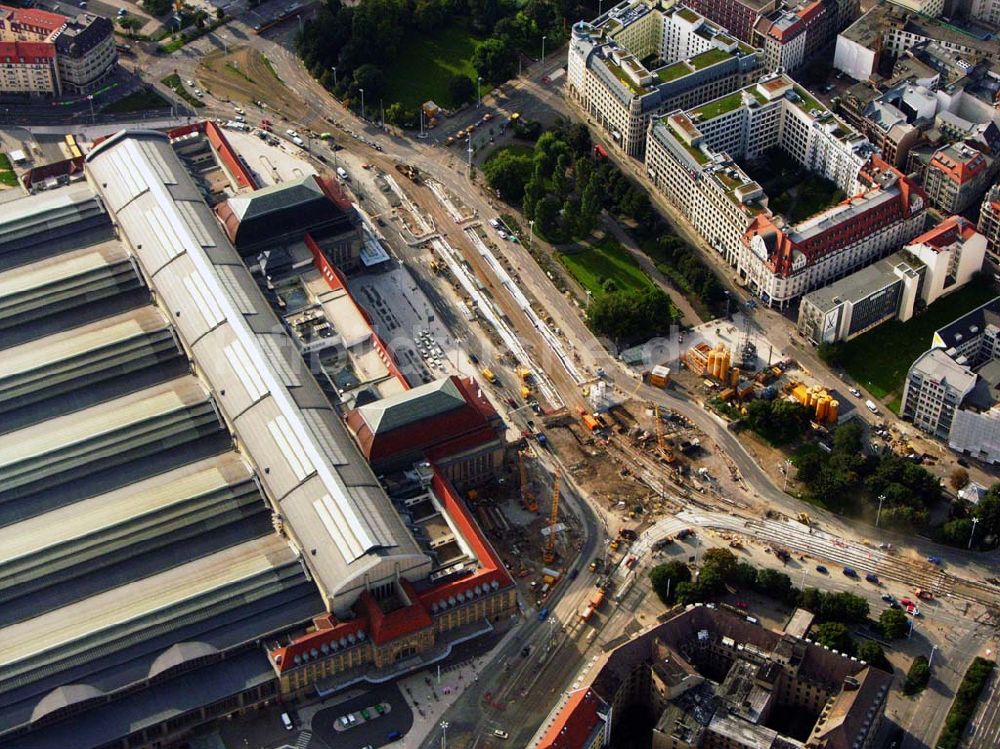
{"points": [[550, 545], [666, 452]]}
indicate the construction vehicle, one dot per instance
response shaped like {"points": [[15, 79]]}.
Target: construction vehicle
{"points": [[924, 595], [736, 544], [615, 543], [598, 599], [804, 518], [525, 392], [682, 534], [489, 376], [550, 546], [528, 496]]}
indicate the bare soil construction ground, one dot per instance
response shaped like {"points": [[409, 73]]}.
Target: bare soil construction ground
{"points": [[245, 76]]}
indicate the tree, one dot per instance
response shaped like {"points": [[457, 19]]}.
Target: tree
{"points": [[843, 607], [370, 78], [630, 315], [690, 593], [958, 478], [918, 676], [508, 173], [665, 579], [988, 512], [777, 585], [894, 624], [494, 60], [835, 636], [720, 560], [131, 24], [871, 651], [219, 14], [547, 217], [460, 89], [746, 576]]}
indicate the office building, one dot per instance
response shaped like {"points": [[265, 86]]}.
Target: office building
{"points": [[952, 253], [989, 221], [692, 61], [956, 177], [952, 391], [180, 499], [48, 54], [887, 289], [694, 158], [738, 16], [797, 32], [712, 679]]}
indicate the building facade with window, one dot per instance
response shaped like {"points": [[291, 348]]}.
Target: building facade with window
{"points": [[692, 159], [692, 61], [48, 54]]}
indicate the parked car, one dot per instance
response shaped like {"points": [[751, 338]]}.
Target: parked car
{"points": [[286, 722], [500, 734], [822, 569], [934, 560], [872, 578], [888, 597], [855, 392]]}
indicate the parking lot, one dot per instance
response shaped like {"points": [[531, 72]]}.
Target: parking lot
{"points": [[375, 732]]}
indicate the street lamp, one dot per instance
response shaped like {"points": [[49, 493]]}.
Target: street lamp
{"points": [[334, 69], [444, 734], [362, 102], [881, 499], [543, 47], [479, 91], [972, 535], [784, 469], [531, 232], [470, 154]]}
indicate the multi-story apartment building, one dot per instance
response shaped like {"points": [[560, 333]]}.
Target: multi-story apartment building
{"points": [[694, 61], [956, 177], [794, 33], [989, 221], [986, 11], [690, 159], [890, 29], [739, 16], [936, 263], [712, 680], [49, 54], [951, 390]]}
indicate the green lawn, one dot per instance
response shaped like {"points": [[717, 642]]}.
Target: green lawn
{"points": [[173, 81], [515, 149], [882, 368], [595, 264], [138, 101], [426, 62], [7, 175]]}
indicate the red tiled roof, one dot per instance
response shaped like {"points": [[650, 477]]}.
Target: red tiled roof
{"points": [[945, 234], [31, 17], [399, 623], [284, 658], [63, 168], [32, 53], [575, 723], [442, 434], [962, 171], [229, 157]]}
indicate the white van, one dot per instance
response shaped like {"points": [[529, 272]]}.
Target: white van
{"points": [[298, 141], [871, 407], [286, 722], [341, 172]]}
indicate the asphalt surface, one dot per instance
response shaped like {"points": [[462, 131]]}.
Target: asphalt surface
{"points": [[374, 732]]}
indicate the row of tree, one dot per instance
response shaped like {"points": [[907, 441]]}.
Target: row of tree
{"points": [[778, 421], [835, 612]]}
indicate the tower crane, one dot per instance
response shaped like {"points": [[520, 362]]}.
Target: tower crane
{"points": [[550, 545], [661, 441], [527, 495]]}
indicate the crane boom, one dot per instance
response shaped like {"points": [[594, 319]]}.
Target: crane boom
{"points": [[550, 545]]}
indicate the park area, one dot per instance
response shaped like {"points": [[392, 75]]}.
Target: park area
{"points": [[137, 101], [882, 368], [7, 176], [595, 265], [425, 64]]}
